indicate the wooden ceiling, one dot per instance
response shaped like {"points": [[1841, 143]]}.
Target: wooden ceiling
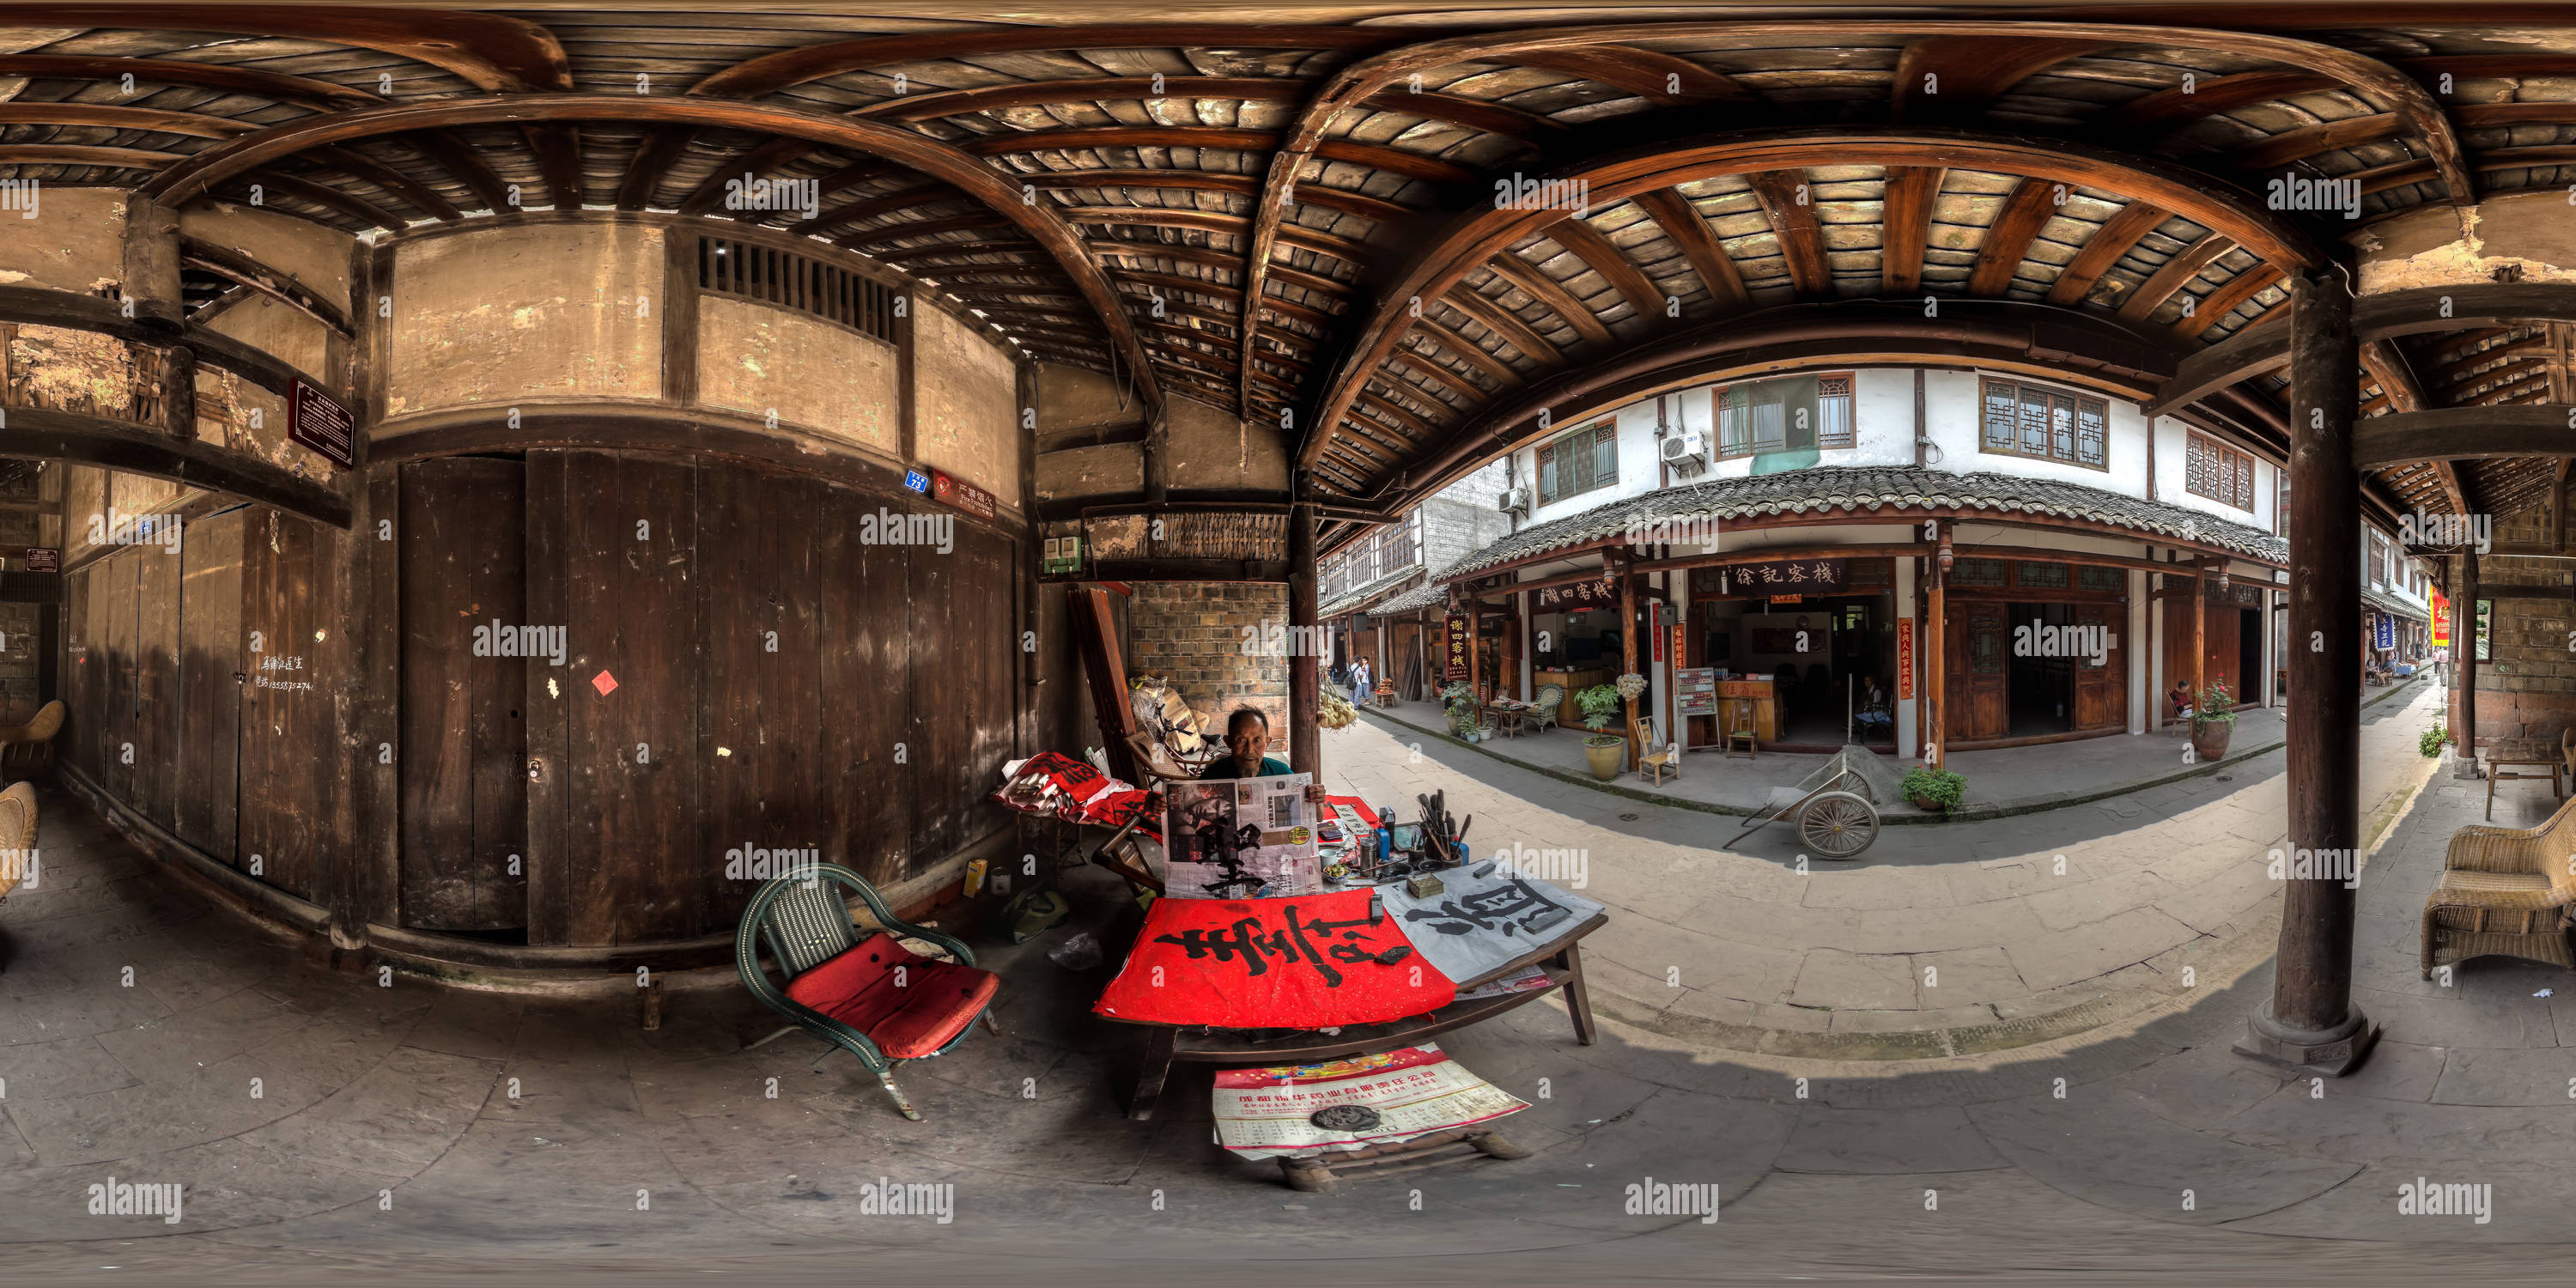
{"points": [[1299, 221]]}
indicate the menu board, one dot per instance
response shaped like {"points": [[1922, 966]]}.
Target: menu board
{"points": [[1695, 690]]}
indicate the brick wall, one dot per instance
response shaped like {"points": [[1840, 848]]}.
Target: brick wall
{"points": [[1193, 632], [2527, 685], [1462, 520]]}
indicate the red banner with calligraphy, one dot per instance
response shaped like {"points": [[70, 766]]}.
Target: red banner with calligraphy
{"points": [[1905, 659], [2441, 620], [1314, 961]]}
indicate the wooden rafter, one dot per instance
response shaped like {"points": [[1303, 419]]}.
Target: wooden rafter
{"points": [[1604, 257], [2103, 249], [1907, 224], [1789, 203], [1551, 296], [2175, 275], [2214, 308], [1684, 227], [1951, 77], [2008, 238]]}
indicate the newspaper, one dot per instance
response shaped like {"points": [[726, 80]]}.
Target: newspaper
{"points": [[1241, 838], [1401, 1094]]}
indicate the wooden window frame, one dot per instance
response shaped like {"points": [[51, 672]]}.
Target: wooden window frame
{"points": [[1552, 462], [1749, 443], [2053, 400], [2236, 463]]}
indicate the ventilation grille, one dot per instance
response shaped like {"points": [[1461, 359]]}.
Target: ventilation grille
{"points": [[31, 588], [772, 276]]}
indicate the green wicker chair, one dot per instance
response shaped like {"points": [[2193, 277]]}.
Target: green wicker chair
{"points": [[869, 996], [2505, 892], [1551, 699]]}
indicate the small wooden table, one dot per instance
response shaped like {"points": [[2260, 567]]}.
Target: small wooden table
{"points": [[2524, 752], [1166, 1044], [1507, 715]]}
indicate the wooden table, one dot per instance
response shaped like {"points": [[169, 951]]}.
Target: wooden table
{"points": [[1166, 1044], [2523, 752], [1508, 714]]}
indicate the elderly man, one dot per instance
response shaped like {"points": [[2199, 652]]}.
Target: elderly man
{"points": [[1247, 742]]}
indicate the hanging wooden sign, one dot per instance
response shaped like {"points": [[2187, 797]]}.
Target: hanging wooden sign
{"points": [[1905, 659]]}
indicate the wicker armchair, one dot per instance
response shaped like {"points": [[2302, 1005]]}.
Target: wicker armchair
{"points": [[868, 995], [1551, 700], [17, 835], [2505, 891], [31, 745]]}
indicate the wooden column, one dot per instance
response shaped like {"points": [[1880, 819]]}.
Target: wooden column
{"points": [[1936, 743], [2464, 668], [1627, 644], [2199, 642], [1521, 686], [2311, 1021], [1305, 682]]}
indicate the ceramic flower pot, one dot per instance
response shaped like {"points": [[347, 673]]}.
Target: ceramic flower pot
{"points": [[1605, 760], [2209, 741]]}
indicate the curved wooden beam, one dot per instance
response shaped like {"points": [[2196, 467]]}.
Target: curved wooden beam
{"points": [[2017, 224], [2416, 311], [2463, 434], [2007, 335], [1788, 201], [2214, 308], [1550, 295], [1905, 224], [492, 53], [929, 156], [1949, 77], [771, 73], [303, 91], [1604, 257], [197, 462], [1474, 237], [2175, 274], [2103, 249]]}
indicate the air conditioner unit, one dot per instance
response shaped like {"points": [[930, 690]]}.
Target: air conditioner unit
{"points": [[1686, 452], [1515, 500]]}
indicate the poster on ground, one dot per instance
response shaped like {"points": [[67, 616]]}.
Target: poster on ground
{"points": [[1366, 1100], [1241, 838], [1313, 962]]}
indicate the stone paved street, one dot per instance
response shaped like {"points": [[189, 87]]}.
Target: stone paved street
{"points": [[1941, 938], [388, 1131]]}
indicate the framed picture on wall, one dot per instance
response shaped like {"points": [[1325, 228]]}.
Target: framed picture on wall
{"points": [[2486, 610]]}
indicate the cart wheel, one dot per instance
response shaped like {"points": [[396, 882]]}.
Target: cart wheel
{"points": [[1838, 825]]}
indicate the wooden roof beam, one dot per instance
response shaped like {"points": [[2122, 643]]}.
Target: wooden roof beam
{"points": [[2017, 224], [1906, 224], [2104, 248], [1788, 202], [1604, 257], [1682, 224]]}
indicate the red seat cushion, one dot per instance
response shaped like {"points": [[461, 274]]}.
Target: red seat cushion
{"points": [[932, 1004]]}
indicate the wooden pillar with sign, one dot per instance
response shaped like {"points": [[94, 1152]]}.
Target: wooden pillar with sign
{"points": [[1627, 643], [1476, 647], [2464, 665], [2201, 642], [1935, 655], [1305, 682], [2310, 1021]]}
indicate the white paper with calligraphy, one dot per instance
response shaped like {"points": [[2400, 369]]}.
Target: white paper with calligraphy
{"points": [[1264, 1113], [1245, 838], [1485, 915]]}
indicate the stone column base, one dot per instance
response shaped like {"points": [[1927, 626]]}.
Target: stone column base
{"points": [[2333, 1052]]}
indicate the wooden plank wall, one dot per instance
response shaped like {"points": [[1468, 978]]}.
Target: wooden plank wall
{"points": [[464, 743], [792, 684], [211, 682]]}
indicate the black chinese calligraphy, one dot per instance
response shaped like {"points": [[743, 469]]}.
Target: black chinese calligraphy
{"points": [[1299, 940], [1514, 907]]}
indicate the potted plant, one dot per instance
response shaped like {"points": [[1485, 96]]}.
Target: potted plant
{"points": [[1604, 750], [2212, 721], [1933, 789], [2433, 740], [1459, 701]]}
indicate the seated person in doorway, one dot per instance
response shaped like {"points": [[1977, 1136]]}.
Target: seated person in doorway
{"points": [[1247, 740], [2180, 698], [1874, 715]]}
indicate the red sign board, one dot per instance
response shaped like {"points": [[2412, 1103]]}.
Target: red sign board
{"points": [[1905, 659], [1655, 628], [1678, 652], [44, 559], [958, 494], [318, 421], [1457, 646], [2441, 619]]}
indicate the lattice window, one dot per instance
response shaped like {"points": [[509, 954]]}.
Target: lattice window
{"points": [[2108, 580], [2215, 470], [753, 272], [1835, 426], [2046, 424], [2041, 576], [1977, 572]]}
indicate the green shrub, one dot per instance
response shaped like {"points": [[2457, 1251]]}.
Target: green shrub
{"points": [[2214, 704], [1939, 786], [1601, 704], [2433, 740]]}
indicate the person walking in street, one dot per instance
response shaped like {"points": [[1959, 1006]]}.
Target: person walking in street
{"points": [[1360, 685]]}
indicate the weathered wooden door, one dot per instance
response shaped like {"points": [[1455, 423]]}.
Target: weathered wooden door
{"points": [[1978, 639], [2101, 689], [2219, 645]]}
